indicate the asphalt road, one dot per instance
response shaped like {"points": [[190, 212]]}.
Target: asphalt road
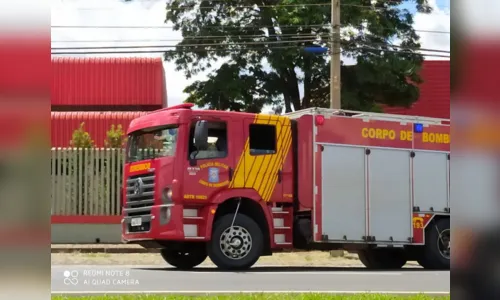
{"points": [[95, 279]]}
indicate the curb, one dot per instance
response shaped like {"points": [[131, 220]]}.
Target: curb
{"points": [[104, 250]]}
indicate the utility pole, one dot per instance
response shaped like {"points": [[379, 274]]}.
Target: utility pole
{"points": [[335, 57]]}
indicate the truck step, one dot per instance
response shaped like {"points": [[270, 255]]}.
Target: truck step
{"points": [[284, 244], [281, 239], [192, 218], [282, 228], [279, 210], [194, 237]]}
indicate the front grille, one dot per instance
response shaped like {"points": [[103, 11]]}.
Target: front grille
{"points": [[139, 201]]}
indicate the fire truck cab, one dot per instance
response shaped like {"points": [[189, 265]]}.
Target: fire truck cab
{"points": [[237, 186]]}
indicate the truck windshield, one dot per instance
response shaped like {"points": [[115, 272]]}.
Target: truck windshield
{"points": [[152, 143]]}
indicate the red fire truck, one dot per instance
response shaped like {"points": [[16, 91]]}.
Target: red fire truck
{"points": [[236, 186]]}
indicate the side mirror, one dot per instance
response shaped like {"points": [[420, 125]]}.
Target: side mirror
{"points": [[201, 135]]}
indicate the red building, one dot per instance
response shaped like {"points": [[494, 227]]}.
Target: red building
{"points": [[102, 91], [107, 83], [434, 98]]}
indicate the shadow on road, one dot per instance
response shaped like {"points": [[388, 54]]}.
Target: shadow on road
{"points": [[258, 269]]}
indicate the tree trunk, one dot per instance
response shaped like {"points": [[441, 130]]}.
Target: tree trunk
{"points": [[290, 89], [293, 88], [306, 101]]}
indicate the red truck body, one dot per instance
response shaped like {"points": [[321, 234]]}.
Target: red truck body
{"points": [[313, 179]]}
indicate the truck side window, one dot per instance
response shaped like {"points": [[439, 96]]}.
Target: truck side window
{"points": [[262, 139], [217, 141]]}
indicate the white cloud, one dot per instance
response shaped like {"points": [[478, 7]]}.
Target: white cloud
{"points": [[142, 13], [438, 20]]}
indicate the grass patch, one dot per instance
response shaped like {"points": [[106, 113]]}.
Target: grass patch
{"points": [[257, 296]]}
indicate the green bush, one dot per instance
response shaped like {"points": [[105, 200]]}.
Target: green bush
{"points": [[115, 137], [81, 138]]}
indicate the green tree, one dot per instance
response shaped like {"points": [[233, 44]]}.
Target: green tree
{"points": [[262, 42], [81, 138], [115, 137]]}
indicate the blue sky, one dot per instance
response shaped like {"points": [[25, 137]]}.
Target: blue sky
{"points": [[442, 4]]}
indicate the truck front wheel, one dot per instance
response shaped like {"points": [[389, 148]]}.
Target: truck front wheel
{"points": [[184, 260], [235, 247], [383, 259]]}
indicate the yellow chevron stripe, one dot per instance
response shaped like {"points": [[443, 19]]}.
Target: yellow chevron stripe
{"points": [[285, 142], [259, 172], [266, 161], [274, 164], [264, 177], [239, 173], [253, 173]]}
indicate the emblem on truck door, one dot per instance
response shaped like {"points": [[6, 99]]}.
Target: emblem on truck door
{"points": [[138, 185], [213, 175]]}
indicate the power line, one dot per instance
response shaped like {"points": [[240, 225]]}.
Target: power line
{"points": [[194, 48], [234, 44], [252, 6], [149, 51], [410, 48], [171, 26], [202, 37], [405, 52], [193, 6], [371, 7], [161, 51], [239, 44], [186, 45], [230, 27]]}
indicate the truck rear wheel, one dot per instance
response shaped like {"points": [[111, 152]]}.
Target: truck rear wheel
{"points": [[184, 260], [385, 259], [436, 252], [237, 247]]}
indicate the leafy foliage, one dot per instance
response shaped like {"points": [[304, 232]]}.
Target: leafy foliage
{"points": [[115, 137], [81, 138], [264, 59]]}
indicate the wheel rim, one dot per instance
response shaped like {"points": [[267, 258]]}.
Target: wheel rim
{"points": [[444, 243], [235, 242]]}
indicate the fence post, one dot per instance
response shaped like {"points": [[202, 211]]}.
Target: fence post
{"points": [[86, 181]]}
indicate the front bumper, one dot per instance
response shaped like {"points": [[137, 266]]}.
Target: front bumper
{"points": [[165, 222]]}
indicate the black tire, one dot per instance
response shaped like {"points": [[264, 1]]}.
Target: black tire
{"points": [[431, 257], [184, 260], [246, 232], [382, 259]]}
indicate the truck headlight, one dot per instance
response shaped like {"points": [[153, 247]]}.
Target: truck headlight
{"points": [[167, 196]]}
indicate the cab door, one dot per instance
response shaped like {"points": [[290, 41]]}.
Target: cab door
{"points": [[214, 167], [268, 143]]}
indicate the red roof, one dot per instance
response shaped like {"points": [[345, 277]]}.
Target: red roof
{"points": [[108, 81], [96, 124], [434, 98]]}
